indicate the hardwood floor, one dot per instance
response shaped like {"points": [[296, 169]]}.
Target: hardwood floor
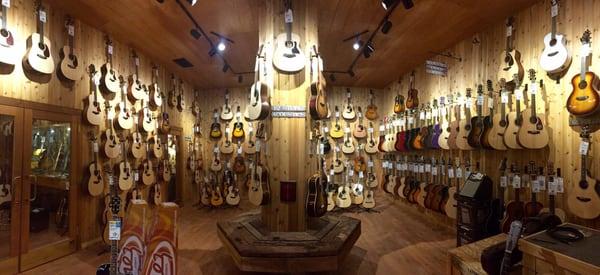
{"points": [[396, 240]]}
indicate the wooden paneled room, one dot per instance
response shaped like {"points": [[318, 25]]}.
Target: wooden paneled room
{"points": [[299, 137]]}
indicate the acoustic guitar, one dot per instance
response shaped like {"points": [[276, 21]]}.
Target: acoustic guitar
{"points": [[146, 118], [95, 182], [510, 57], [412, 101], [112, 144], [584, 197], [336, 131], [343, 199], [109, 84], [226, 146], [124, 119], [371, 112], [233, 194], [584, 99], [238, 126], [435, 130], [249, 147], [226, 111], [454, 125], [444, 122], [369, 198], [348, 144], [125, 172], [336, 163], [477, 127], [357, 195], [555, 57], [420, 131], [500, 121], [381, 136], [288, 56], [216, 165], [216, 197], [156, 96], [399, 101], [7, 40], [318, 101], [239, 164], [259, 107], [488, 118], [349, 112], [111, 213], [138, 148], [93, 108], [315, 196], [215, 127], [533, 207], [259, 192], [38, 57], [136, 90], [371, 144], [154, 140], [532, 134], [359, 131], [465, 126], [148, 174], [515, 208], [164, 123], [515, 118], [553, 189], [400, 144], [451, 203], [69, 67]]}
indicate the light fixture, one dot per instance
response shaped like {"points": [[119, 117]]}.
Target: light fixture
{"points": [[386, 26], [388, 3], [368, 50], [225, 67], [357, 44], [192, 2], [221, 46]]}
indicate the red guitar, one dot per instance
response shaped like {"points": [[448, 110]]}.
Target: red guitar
{"points": [[381, 135], [400, 144]]}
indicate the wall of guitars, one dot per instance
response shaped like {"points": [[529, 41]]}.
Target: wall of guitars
{"points": [[511, 97]]}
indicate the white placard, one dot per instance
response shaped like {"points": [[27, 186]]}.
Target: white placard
{"points": [[469, 102], [216, 150], [350, 172], [533, 87], [428, 115], [370, 130], [361, 174], [554, 10], [398, 167], [552, 187], [560, 187], [585, 49], [347, 130], [337, 114], [239, 150], [95, 147], [331, 172], [6, 3], [541, 180], [337, 149], [427, 167], [535, 186], [114, 230], [71, 30], [136, 176], [137, 61], [227, 130], [583, 147], [370, 163], [110, 49], [321, 149], [411, 120], [257, 145], [459, 173], [480, 100], [434, 171], [421, 115], [444, 112], [43, 16], [450, 173], [490, 102], [381, 128], [504, 98], [503, 181], [516, 181], [421, 168], [518, 94]]}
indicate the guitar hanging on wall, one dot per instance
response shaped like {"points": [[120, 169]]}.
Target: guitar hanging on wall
{"points": [[584, 99], [318, 101], [38, 57], [259, 107], [584, 197], [555, 58], [110, 80], [70, 68], [510, 58], [288, 56], [7, 40]]}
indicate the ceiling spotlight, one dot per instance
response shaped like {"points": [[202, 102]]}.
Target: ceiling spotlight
{"points": [[192, 2], [221, 46], [386, 26], [408, 4], [357, 44], [388, 3], [225, 67], [195, 33], [368, 50]]}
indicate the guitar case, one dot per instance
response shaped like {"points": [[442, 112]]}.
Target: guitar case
{"points": [[541, 222]]}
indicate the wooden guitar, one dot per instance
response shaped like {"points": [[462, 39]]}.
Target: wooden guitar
{"points": [[69, 67], [381, 136], [93, 108], [172, 98], [138, 148], [38, 57], [555, 58], [315, 197], [136, 90], [124, 119], [226, 111], [359, 131], [510, 58], [95, 182], [146, 118], [259, 107], [399, 101], [451, 203], [553, 189], [400, 144], [215, 127], [318, 101], [238, 126], [515, 118], [533, 207], [369, 199], [216, 164], [427, 130], [148, 175], [336, 163], [288, 56], [249, 147], [465, 126], [156, 96], [436, 130], [157, 146], [336, 129], [109, 84], [454, 125], [371, 108], [239, 164], [357, 195], [348, 113], [112, 145], [259, 192], [371, 144], [532, 134], [371, 175], [488, 118], [348, 145], [125, 172], [7, 40], [343, 199], [233, 194], [226, 146], [514, 233], [181, 104], [584, 99], [419, 131], [445, 119], [499, 122], [216, 198], [412, 101], [584, 197], [164, 123], [440, 190], [515, 208], [477, 127]]}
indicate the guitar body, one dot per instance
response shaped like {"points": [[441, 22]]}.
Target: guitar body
{"points": [[124, 118], [418, 140], [137, 148], [148, 175], [514, 212], [359, 131], [216, 198], [215, 130], [343, 199], [357, 195], [510, 66], [93, 111], [7, 48], [111, 144], [440, 198], [95, 182], [371, 112], [555, 58], [584, 99], [412, 101], [399, 104], [371, 146], [533, 208], [125, 176], [400, 144], [369, 199], [69, 67], [450, 206], [38, 57], [435, 136], [135, 91], [216, 165], [453, 134], [233, 196], [155, 96], [462, 139], [444, 135], [511, 134], [259, 108], [400, 183], [288, 56], [495, 138], [260, 191], [561, 214], [349, 113], [425, 192], [238, 130], [336, 131], [474, 136], [381, 142], [585, 202], [487, 131], [315, 197], [330, 200], [109, 83], [532, 134]]}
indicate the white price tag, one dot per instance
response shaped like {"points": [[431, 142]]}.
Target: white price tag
{"points": [[239, 150], [110, 49], [97, 79], [490, 102], [541, 180], [560, 187], [326, 129], [95, 147], [6, 3], [535, 187], [43, 16], [533, 87], [428, 115], [518, 94], [404, 166], [337, 149], [444, 112], [450, 173], [227, 130], [347, 130], [329, 178], [350, 172], [370, 163], [503, 181], [331, 172], [434, 171], [381, 128], [480, 100], [257, 145], [337, 114], [215, 115], [469, 102], [428, 168], [216, 150], [516, 182], [71, 30], [435, 114], [361, 174], [421, 168], [137, 61], [508, 31], [459, 173], [583, 147], [370, 130], [114, 230], [321, 149], [348, 95], [411, 120], [554, 10], [421, 115], [585, 49], [504, 98], [552, 187], [398, 166]]}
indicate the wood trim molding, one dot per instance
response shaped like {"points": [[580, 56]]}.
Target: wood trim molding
{"points": [[38, 106]]}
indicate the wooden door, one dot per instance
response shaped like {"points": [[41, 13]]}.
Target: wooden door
{"points": [[11, 133], [48, 208]]}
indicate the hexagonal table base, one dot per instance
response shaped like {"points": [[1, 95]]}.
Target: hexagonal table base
{"points": [[322, 247]]}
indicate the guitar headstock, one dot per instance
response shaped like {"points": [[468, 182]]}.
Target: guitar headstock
{"points": [[550, 168], [490, 86], [469, 90], [531, 75], [503, 165], [517, 81], [586, 37], [479, 89], [69, 22]]}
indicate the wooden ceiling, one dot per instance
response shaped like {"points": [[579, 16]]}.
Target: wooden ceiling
{"points": [[162, 30]]}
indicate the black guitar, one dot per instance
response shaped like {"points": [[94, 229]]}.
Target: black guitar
{"points": [[115, 205]]}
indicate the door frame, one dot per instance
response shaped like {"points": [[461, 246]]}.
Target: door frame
{"points": [[179, 167]]}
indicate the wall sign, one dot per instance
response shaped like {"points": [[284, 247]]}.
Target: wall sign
{"points": [[288, 111]]}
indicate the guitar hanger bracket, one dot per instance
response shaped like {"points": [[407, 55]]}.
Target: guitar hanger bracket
{"points": [[447, 55]]}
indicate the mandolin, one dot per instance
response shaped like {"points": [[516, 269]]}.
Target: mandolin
{"points": [[137, 142], [93, 108], [336, 129], [349, 112], [584, 99], [371, 112], [288, 56], [95, 182], [226, 111], [109, 84], [69, 67], [412, 101], [125, 172], [477, 127], [555, 57], [488, 119], [359, 131], [238, 126], [215, 127], [259, 107], [135, 91], [532, 134], [124, 119], [515, 118], [112, 145], [584, 197], [500, 121], [318, 101], [464, 125], [156, 96], [7, 40], [38, 57], [515, 208], [510, 57]]}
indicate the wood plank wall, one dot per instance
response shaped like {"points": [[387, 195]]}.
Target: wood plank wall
{"points": [[480, 62], [90, 41]]}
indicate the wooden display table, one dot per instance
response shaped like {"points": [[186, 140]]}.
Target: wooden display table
{"points": [[544, 255], [467, 258], [322, 247]]}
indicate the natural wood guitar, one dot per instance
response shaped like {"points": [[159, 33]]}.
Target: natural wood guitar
{"points": [[533, 133], [112, 144], [95, 181], [93, 108], [464, 125], [288, 56], [109, 84], [7, 41], [38, 57], [69, 67], [259, 107], [499, 122], [584, 197], [510, 58], [124, 115], [515, 118]]}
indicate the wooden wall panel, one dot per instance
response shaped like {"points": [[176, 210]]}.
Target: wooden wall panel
{"points": [[480, 62]]}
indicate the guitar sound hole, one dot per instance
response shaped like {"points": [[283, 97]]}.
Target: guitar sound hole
{"points": [[583, 184], [468, 127], [553, 42], [582, 85], [502, 123], [4, 33], [42, 46]]}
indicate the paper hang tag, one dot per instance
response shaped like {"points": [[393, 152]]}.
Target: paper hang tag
{"points": [[503, 181], [421, 168], [137, 61], [95, 147], [533, 87], [43, 16], [6, 3], [509, 31], [381, 128], [428, 115], [337, 149], [347, 130], [443, 111], [361, 174], [329, 177], [398, 166], [227, 96], [584, 147], [554, 10], [97, 79], [560, 187], [326, 129], [370, 164], [435, 114], [490, 102], [504, 98], [348, 95], [359, 115], [350, 172], [469, 102], [257, 145], [227, 130], [239, 150], [551, 187], [450, 173], [434, 171], [427, 168], [331, 172], [337, 114], [370, 130], [516, 182], [421, 115], [585, 50], [215, 115], [518, 94], [136, 176], [109, 49], [480, 100], [404, 166], [411, 120], [541, 180], [71, 30], [216, 150], [467, 174], [402, 123], [114, 230], [459, 173], [321, 149]]}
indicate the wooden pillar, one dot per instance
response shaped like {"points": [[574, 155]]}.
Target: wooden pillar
{"points": [[287, 145]]}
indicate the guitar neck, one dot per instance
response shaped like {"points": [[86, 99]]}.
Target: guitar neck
{"points": [[114, 252], [506, 263], [4, 14]]}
